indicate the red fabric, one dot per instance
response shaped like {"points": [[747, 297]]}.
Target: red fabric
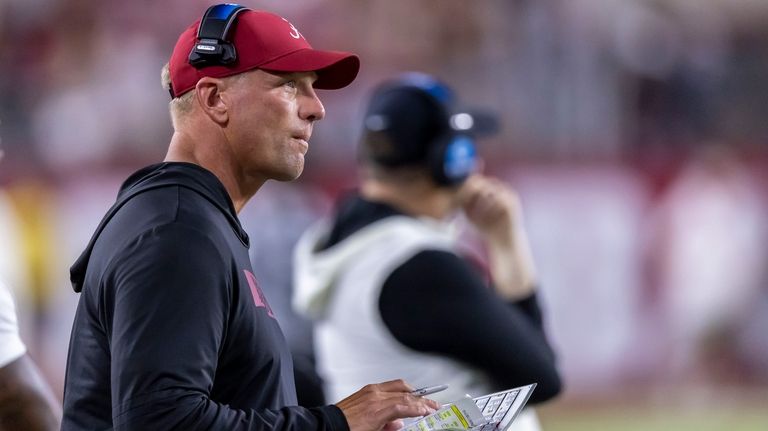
{"points": [[265, 41]]}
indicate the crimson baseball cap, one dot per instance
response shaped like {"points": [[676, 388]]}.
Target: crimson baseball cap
{"points": [[264, 41]]}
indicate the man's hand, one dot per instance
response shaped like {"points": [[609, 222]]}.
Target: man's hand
{"points": [[495, 210], [492, 207], [381, 406]]}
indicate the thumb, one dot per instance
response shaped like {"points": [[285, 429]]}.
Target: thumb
{"points": [[394, 425], [469, 189]]}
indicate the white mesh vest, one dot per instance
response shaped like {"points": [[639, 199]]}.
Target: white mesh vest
{"points": [[352, 344]]}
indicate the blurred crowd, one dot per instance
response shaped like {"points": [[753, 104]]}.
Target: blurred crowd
{"points": [[634, 131]]}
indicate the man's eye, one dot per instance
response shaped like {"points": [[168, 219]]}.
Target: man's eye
{"points": [[291, 84]]}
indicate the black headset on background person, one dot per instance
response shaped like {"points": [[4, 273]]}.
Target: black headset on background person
{"points": [[213, 47], [451, 156]]}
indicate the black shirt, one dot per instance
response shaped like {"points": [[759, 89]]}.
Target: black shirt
{"points": [[172, 330], [504, 339]]}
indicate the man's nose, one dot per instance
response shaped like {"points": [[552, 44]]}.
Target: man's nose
{"points": [[312, 108]]}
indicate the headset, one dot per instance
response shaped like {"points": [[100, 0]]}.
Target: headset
{"points": [[452, 155], [213, 46]]}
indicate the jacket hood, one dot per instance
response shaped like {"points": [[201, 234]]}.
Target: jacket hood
{"points": [[168, 174], [316, 268]]}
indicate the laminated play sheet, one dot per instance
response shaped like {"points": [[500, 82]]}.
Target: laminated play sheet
{"points": [[494, 411]]}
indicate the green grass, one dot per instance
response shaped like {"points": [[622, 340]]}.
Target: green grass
{"points": [[686, 411], [632, 420]]}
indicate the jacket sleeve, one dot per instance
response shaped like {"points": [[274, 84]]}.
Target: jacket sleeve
{"points": [[165, 309], [436, 294]]}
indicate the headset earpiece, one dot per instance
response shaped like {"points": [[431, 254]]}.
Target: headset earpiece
{"points": [[452, 159], [213, 46]]}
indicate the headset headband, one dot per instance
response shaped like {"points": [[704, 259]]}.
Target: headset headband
{"points": [[213, 46]]}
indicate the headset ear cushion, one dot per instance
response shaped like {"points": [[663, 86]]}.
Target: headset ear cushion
{"points": [[452, 159], [229, 54]]}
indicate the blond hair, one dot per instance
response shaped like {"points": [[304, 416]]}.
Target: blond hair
{"points": [[182, 105], [178, 106]]}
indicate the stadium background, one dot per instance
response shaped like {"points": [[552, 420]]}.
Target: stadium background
{"points": [[635, 131]]}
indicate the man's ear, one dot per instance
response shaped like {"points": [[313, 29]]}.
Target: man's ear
{"points": [[208, 95]]}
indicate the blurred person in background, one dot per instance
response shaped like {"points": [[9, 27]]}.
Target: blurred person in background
{"points": [[710, 251], [172, 330], [385, 281], [26, 400]]}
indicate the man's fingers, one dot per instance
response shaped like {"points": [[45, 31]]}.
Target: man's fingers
{"points": [[469, 188], [381, 405], [404, 398], [394, 425], [398, 385], [434, 405], [406, 405]]}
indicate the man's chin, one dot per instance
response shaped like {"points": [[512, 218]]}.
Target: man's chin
{"points": [[288, 176]]}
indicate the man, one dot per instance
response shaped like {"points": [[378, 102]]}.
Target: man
{"points": [[384, 281], [26, 400], [172, 330]]}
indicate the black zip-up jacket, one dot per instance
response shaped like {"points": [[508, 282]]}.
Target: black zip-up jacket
{"points": [[172, 330]]}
